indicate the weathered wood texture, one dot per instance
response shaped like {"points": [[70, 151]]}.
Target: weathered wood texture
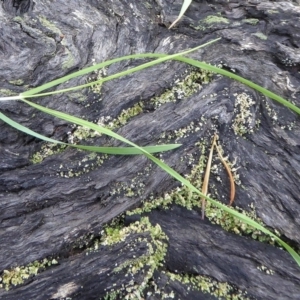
{"points": [[46, 213]]}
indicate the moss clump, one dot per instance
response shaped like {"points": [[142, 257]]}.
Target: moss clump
{"points": [[96, 76], [232, 224], [183, 88], [260, 35], [47, 149], [183, 132], [90, 162], [251, 21], [148, 263], [244, 121], [215, 19], [17, 82], [135, 187], [69, 62], [210, 21], [206, 284], [17, 275], [49, 25], [77, 97], [126, 115], [6, 92]]}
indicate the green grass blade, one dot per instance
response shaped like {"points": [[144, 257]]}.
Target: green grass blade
{"points": [[169, 170], [160, 59], [189, 61], [73, 75], [257, 87], [184, 7], [107, 150]]}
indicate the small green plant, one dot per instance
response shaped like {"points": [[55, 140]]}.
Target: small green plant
{"points": [[135, 149]]}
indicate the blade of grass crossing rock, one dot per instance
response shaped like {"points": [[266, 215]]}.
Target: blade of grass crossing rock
{"points": [[106, 150], [167, 169], [189, 61], [161, 58]]}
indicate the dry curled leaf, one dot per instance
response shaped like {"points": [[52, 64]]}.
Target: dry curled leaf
{"points": [[207, 174], [228, 170]]}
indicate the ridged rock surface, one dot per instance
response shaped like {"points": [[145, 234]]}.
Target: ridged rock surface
{"points": [[57, 207]]}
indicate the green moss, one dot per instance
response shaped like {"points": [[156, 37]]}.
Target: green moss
{"points": [[47, 149], [181, 195], [244, 122], [183, 88], [53, 30], [6, 92], [135, 187], [77, 97], [157, 248], [17, 82], [272, 11], [260, 35], [209, 20], [49, 25], [70, 61], [183, 132], [17, 275], [82, 133], [96, 76], [149, 262], [232, 224], [88, 163], [206, 284], [251, 21], [126, 115]]}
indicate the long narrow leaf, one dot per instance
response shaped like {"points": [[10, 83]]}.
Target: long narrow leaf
{"points": [[189, 61], [162, 58], [107, 150]]}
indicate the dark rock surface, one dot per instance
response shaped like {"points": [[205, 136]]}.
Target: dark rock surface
{"points": [[56, 208]]}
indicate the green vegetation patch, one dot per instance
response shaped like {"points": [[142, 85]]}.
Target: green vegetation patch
{"points": [[182, 89], [260, 35], [244, 121], [251, 21], [206, 284], [17, 275], [215, 19], [148, 263], [46, 150], [136, 186]]}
